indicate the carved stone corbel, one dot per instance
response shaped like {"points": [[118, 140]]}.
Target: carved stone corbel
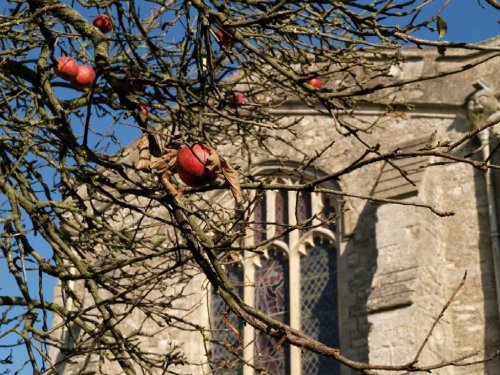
{"points": [[482, 106]]}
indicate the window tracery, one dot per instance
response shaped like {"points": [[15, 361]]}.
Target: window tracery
{"points": [[319, 307], [223, 323], [272, 297], [294, 281]]}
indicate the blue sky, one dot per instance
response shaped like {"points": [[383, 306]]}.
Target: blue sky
{"points": [[467, 22]]}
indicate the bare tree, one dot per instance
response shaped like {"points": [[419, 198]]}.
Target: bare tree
{"points": [[115, 227]]}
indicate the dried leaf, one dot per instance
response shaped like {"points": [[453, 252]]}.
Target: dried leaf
{"points": [[213, 162], [169, 186], [232, 178], [165, 162], [144, 154], [442, 27]]}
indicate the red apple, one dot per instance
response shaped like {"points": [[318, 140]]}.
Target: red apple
{"points": [[67, 68], [315, 82], [190, 165], [103, 22], [237, 99], [85, 77]]}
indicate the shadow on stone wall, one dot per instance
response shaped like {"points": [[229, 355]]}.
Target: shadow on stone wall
{"points": [[491, 315], [359, 264]]}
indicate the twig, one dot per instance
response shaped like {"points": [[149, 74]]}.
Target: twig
{"points": [[436, 321]]}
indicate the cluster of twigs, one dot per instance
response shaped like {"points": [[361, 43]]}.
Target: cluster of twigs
{"points": [[76, 212]]}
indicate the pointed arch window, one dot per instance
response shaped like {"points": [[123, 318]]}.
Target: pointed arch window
{"points": [[294, 281], [227, 350], [272, 298], [319, 307]]}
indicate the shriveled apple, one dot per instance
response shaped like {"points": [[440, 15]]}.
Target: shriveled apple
{"points": [[191, 165]]}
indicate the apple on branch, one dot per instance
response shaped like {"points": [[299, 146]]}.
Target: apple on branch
{"points": [[103, 22], [237, 99], [67, 67], [191, 165], [85, 77], [315, 82]]}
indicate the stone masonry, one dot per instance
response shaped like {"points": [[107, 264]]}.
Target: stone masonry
{"points": [[398, 265]]}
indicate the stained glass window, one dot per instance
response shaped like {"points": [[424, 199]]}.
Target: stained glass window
{"points": [[304, 208], [319, 308], [328, 213], [317, 273], [260, 219], [272, 298], [227, 330], [281, 213]]}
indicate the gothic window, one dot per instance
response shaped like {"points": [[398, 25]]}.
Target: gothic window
{"points": [[281, 213], [328, 213], [225, 326], [293, 281], [304, 208], [260, 219], [319, 308], [272, 298]]}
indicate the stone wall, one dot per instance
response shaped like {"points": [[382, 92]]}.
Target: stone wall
{"points": [[398, 264]]}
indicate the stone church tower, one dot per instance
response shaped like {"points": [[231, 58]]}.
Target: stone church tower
{"points": [[374, 283]]}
